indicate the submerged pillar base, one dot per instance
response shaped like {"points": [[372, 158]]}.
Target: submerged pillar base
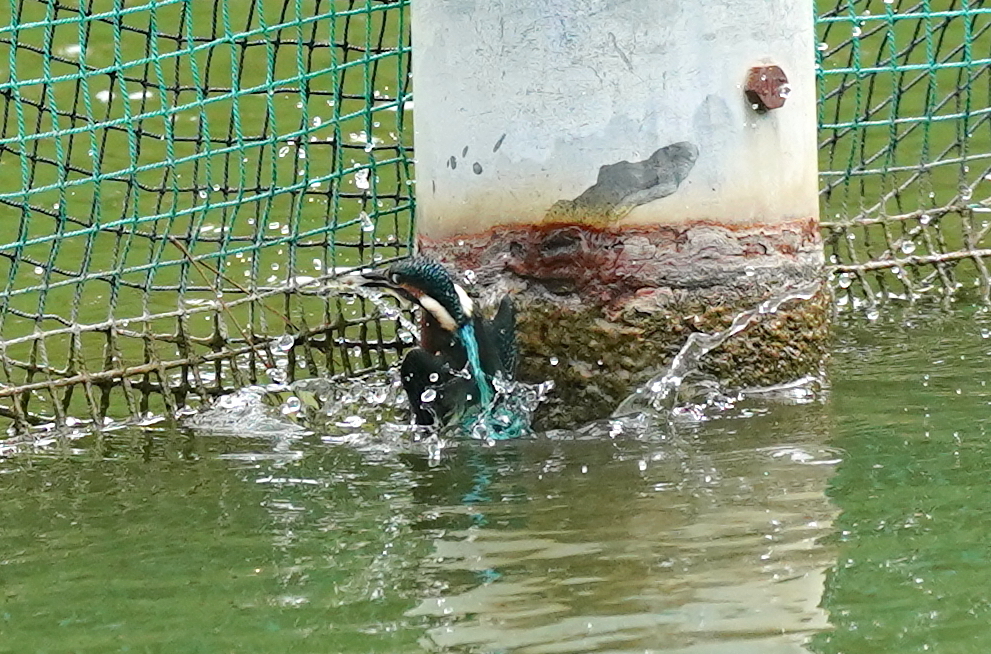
{"points": [[604, 309]]}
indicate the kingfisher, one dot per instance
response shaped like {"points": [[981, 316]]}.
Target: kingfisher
{"points": [[449, 377]]}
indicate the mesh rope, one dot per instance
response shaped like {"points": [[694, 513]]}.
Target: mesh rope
{"points": [[171, 174], [905, 147]]}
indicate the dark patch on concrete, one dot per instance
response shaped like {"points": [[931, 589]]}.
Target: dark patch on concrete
{"points": [[623, 186], [498, 144], [452, 163], [476, 168], [464, 153]]}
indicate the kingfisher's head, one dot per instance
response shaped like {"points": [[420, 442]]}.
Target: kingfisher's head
{"points": [[425, 282]]}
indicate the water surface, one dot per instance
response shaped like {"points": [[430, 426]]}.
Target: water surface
{"points": [[856, 522]]}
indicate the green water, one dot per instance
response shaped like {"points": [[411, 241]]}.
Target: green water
{"points": [[858, 523]]}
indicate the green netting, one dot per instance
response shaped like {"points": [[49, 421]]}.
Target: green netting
{"points": [[173, 172], [905, 146]]}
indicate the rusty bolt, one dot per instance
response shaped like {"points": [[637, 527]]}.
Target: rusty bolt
{"points": [[766, 88]]}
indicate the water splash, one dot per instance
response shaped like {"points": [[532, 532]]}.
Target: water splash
{"points": [[505, 408], [384, 302], [510, 412], [660, 394], [252, 410]]}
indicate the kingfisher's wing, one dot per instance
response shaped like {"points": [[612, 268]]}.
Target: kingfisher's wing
{"points": [[503, 328], [418, 368], [452, 394]]}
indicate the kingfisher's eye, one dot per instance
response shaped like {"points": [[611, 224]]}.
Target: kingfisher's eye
{"points": [[394, 278]]}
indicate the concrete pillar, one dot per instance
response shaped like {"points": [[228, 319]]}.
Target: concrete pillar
{"points": [[633, 171]]}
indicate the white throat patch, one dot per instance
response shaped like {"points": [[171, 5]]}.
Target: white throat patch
{"points": [[440, 314], [466, 304]]}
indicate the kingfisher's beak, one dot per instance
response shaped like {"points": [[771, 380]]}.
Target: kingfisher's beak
{"points": [[366, 278], [379, 280]]}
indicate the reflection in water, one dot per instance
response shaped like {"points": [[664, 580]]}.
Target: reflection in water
{"points": [[913, 562], [321, 521], [657, 543], [712, 535], [572, 542]]}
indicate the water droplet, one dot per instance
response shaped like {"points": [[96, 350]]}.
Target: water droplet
{"points": [[406, 337], [908, 247], [291, 405], [873, 314], [844, 280], [275, 266], [749, 271], [856, 31], [429, 396], [285, 342], [470, 277], [366, 222], [353, 422], [277, 375], [985, 332], [434, 377], [38, 270], [202, 195], [377, 395], [283, 151], [965, 192], [361, 179], [822, 47], [554, 361], [925, 219], [318, 264]]}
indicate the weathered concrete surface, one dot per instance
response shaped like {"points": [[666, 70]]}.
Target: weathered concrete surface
{"points": [[602, 310]]}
